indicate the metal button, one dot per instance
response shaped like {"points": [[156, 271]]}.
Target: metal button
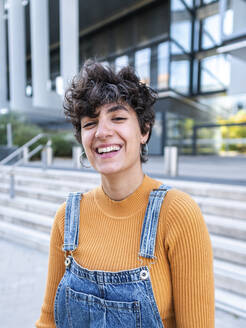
{"points": [[144, 274], [67, 261]]}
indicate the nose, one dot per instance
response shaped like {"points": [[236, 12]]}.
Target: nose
{"points": [[103, 129]]}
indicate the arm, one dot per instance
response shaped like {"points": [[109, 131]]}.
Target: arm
{"points": [[56, 270], [191, 261]]}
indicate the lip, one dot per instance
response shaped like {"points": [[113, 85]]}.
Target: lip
{"points": [[107, 155]]}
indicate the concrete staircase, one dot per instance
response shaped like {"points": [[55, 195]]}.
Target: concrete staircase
{"points": [[28, 219]]}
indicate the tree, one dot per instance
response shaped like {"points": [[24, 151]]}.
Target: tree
{"points": [[235, 132]]}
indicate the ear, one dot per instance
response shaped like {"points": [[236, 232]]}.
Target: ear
{"points": [[144, 137]]}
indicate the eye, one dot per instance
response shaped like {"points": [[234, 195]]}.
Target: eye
{"points": [[118, 118], [88, 124]]}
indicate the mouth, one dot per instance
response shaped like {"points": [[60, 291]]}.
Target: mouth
{"points": [[108, 150]]}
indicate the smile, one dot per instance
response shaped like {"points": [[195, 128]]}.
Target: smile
{"points": [[109, 149]]}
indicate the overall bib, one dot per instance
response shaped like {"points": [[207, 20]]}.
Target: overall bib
{"points": [[102, 299]]}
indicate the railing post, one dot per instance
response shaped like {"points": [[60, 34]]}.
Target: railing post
{"points": [[47, 155], [12, 185], [9, 135], [25, 155], [171, 161], [77, 151]]}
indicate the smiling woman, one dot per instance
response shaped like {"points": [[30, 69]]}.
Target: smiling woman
{"points": [[112, 142], [137, 252]]}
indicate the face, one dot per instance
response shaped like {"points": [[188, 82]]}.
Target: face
{"points": [[112, 140]]}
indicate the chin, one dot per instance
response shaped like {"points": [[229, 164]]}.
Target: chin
{"points": [[109, 170]]}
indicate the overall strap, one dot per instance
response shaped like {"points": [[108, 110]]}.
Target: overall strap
{"points": [[150, 223], [71, 225]]}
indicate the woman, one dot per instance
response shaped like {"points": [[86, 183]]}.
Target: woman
{"points": [[137, 253]]}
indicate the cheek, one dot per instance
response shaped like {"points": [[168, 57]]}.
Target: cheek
{"points": [[85, 139]]}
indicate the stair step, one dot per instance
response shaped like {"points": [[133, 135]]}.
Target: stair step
{"points": [[25, 236], [230, 302], [191, 187], [211, 190], [222, 207], [231, 250], [27, 219], [230, 276], [55, 196], [37, 193], [52, 174], [52, 184], [30, 205], [229, 227]]}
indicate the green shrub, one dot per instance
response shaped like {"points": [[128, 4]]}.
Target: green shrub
{"points": [[23, 131], [62, 145]]}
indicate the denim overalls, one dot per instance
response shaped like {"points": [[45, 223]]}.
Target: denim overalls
{"points": [[102, 299]]}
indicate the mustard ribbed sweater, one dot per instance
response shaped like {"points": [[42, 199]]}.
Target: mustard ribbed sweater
{"points": [[109, 239]]}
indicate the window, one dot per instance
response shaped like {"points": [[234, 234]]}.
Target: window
{"points": [[121, 62], [180, 72], [142, 64], [162, 62], [233, 18], [181, 25], [215, 73], [211, 32]]}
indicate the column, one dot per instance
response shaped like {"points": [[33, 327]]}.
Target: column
{"points": [[17, 66], [42, 97], [69, 38]]}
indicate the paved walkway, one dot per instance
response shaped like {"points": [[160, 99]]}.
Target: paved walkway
{"points": [[217, 169], [22, 284]]}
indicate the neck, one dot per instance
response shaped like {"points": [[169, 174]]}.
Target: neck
{"points": [[118, 186]]}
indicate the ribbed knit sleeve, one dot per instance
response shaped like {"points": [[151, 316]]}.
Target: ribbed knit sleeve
{"points": [[191, 264], [56, 270]]}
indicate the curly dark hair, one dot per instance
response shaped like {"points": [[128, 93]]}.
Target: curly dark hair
{"points": [[97, 85]]}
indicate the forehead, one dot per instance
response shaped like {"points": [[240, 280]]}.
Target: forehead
{"points": [[109, 108], [113, 107]]}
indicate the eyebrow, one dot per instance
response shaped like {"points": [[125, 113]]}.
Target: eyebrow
{"points": [[117, 107], [110, 110]]}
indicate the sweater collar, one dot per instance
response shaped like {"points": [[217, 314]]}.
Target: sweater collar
{"points": [[127, 207]]}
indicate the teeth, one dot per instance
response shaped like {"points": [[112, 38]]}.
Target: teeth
{"points": [[107, 149]]}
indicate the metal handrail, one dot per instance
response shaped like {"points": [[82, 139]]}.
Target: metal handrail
{"points": [[10, 171], [33, 152], [19, 150]]}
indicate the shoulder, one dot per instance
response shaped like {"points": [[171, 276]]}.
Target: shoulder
{"points": [[180, 211], [60, 218]]}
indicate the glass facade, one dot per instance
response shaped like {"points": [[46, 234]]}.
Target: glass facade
{"points": [[211, 31], [181, 25], [163, 65], [142, 64], [156, 141], [215, 73], [233, 17], [121, 62]]}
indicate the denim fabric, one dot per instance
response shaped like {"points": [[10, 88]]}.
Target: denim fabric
{"points": [[71, 228], [150, 223], [102, 299]]}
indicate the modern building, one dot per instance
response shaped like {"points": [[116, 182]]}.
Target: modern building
{"points": [[192, 51]]}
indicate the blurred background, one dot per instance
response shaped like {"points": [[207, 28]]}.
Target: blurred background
{"points": [[193, 52]]}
